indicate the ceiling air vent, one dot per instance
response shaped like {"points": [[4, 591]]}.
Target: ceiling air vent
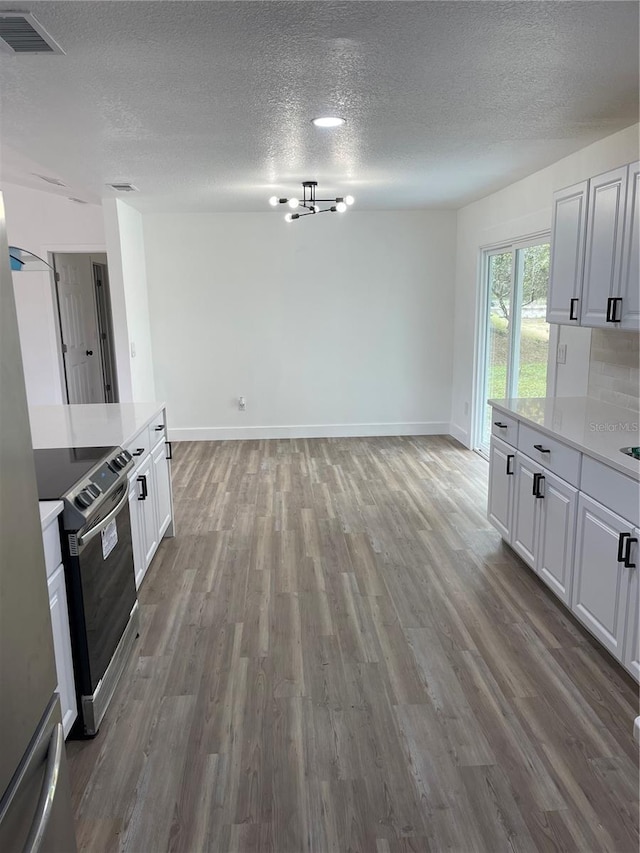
{"points": [[55, 181], [123, 188], [21, 32]]}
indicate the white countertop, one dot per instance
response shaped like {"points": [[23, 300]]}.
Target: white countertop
{"points": [[591, 426], [49, 510], [91, 425]]}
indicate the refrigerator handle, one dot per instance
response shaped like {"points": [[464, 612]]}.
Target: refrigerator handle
{"points": [[48, 793]]}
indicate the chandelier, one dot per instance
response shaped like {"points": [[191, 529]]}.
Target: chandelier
{"points": [[311, 204]]}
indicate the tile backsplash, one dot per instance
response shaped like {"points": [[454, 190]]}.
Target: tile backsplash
{"points": [[614, 367]]}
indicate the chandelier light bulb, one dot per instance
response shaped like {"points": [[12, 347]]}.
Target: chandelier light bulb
{"points": [[293, 203], [341, 207], [349, 199], [288, 217], [273, 201]]}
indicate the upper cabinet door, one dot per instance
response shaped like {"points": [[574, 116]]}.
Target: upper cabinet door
{"points": [[568, 233], [603, 251], [628, 310]]}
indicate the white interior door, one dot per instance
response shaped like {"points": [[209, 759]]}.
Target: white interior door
{"points": [[79, 328]]}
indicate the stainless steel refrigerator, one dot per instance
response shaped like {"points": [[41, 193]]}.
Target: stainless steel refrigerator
{"points": [[35, 799]]}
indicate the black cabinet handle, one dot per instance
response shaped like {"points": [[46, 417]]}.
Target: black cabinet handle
{"points": [[510, 459], [159, 427], [138, 451], [612, 305], [89, 352], [537, 479], [169, 450], [625, 541], [143, 480], [541, 448], [573, 303], [621, 541], [500, 426], [627, 554]]}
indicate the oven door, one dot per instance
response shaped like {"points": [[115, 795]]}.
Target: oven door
{"points": [[104, 575]]}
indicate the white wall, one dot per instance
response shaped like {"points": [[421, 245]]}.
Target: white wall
{"points": [[42, 222], [519, 210], [129, 303], [336, 326]]}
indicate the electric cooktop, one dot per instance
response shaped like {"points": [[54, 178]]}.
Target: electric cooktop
{"points": [[59, 469]]}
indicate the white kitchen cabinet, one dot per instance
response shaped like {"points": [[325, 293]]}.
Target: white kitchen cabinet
{"points": [[525, 511], [150, 500], [137, 531], [556, 536], [568, 234], [543, 528], [62, 647], [594, 278], [603, 248], [147, 504], [161, 488], [601, 582], [501, 479], [628, 311], [631, 656]]}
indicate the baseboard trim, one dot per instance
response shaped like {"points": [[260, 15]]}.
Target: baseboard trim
{"points": [[460, 434], [249, 433]]}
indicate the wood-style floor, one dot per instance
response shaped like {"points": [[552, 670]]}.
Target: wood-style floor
{"points": [[338, 654]]}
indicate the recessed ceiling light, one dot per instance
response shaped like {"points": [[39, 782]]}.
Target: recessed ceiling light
{"points": [[328, 121]]}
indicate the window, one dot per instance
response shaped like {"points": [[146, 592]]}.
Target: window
{"points": [[514, 343]]}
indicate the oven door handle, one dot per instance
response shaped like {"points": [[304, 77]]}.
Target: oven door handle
{"points": [[92, 532]]}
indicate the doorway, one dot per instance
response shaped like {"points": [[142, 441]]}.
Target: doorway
{"points": [[86, 331], [514, 339]]}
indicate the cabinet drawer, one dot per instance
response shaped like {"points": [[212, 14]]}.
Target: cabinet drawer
{"points": [[52, 553], [504, 427], [139, 446], [554, 455], [616, 491]]}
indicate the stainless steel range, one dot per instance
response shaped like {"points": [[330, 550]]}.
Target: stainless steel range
{"points": [[98, 556]]}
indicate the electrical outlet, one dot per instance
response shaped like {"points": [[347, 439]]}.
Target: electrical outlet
{"points": [[562, 354], [242, 404]]}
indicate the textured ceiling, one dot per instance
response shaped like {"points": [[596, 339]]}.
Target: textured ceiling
{"points": [[207, 105]]}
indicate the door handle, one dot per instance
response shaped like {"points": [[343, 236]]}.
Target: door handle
{"points": [[612, 305], [89, 352], [92, 532], [625, 541], [573, 303], [537, 479], [621, 541], [47, 794], [145, 493], [510, 458], [170, 450]]}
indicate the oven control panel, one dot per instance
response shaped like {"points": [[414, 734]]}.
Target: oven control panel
{"points": [[89, 493]]}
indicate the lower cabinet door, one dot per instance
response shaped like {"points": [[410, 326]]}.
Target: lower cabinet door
{"points": [[137, 531], [600, 582], [631, 658], [146, 499], [501, 479], [62, 647], [161, 487], [525, 511], [557, 533]]}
